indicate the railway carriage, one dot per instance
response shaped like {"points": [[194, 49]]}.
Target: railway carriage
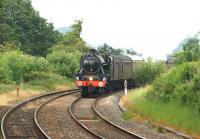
{"points": [[101, 72]]}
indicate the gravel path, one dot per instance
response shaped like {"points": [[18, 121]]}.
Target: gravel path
{"points": [[56, 121], [109, 107]]}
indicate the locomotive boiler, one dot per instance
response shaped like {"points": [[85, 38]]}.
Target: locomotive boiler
{"points": [[100, 72]]}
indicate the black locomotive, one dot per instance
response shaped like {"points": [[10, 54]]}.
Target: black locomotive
{"points": [[101, 73]]}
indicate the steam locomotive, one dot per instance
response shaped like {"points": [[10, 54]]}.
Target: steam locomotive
{"points": [[102, 72]]}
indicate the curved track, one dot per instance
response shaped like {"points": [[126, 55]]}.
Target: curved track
{"points": [[18, 121], [111, 123], [95, 123]]}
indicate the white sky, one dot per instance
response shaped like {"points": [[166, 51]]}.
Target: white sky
{"points": [[151, 27]]}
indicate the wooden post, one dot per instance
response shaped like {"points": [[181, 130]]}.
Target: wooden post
{"points": [[17, 91]]}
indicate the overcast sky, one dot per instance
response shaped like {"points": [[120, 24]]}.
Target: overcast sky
{"points": [[151, 27]]}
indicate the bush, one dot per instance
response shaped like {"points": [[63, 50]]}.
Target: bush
{"points": [[190, 52], [47, 80], [63, 63], [181, 83], [16, 66], [147, 72]]}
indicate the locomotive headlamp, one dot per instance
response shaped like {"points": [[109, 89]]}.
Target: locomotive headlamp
{"points": [[90, 78], [100, 84], [79, 83]]}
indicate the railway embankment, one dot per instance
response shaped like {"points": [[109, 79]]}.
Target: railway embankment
{"points": [[171, 116], [109, 108]]}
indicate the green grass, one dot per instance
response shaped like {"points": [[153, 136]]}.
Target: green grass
{"points": [[172, 113], [4, 88]]}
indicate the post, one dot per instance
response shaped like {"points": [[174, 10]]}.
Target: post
{"points": [[18, 91], [125, 87]]}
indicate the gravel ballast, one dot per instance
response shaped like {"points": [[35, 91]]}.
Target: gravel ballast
{"points": [[55, 120], [109, 108], [84, 112]]}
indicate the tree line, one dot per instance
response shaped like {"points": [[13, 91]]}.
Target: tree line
{"points": [[32, 51]]}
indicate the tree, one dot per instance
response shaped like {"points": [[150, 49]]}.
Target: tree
{"points": [[16, 66], [65, 57], [72, 40], [7, 47], [190, 52], [1, 3], [22, 25], [65, 63]]}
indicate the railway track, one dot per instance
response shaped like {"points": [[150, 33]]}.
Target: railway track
{"points": [[18, 122], [84, 112], [24, 120], [55, 122]]}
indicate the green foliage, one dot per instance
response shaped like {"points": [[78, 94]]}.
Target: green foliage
{"points": [[62, 60], [181, 82], [6, 88], [46, 80], [16, 66], [24, 35], [64, 63], [171, 113], [11, 65], [65, 57], [147, 72], [191, 51], [1, 3], [7, 47], [21, 24], [72, 40]]}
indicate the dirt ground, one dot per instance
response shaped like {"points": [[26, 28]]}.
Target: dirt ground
{"points": [[10, 98]]}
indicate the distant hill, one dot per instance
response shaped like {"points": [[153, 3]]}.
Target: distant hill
{"points": [[63, 29]]}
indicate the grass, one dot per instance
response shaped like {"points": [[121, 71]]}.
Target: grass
{"points": [[171, 114], [4, 88], [8, 93], [40, 85]]}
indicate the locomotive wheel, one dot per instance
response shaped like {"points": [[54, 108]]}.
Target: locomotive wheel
{"points": [[108, 88], [84, 92], [102, 91]]}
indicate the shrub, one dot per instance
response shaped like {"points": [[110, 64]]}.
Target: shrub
{"points": [[190, 52], [181, 83], [147, 72], [16, 66], [47, 80], [63, 63]]}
